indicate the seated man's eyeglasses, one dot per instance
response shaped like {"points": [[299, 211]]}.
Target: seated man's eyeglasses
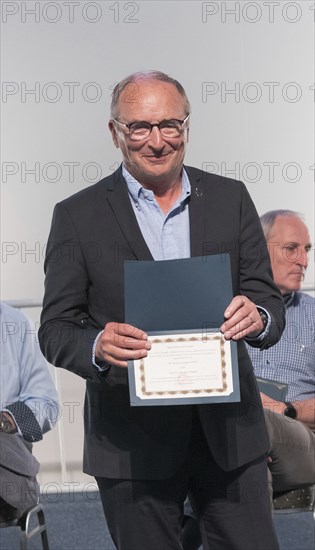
{"points": [[141, 130]]}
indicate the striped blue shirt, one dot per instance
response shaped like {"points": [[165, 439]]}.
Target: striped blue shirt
{"points": [[292, 359]]}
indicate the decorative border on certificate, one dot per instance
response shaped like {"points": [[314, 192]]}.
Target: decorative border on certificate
{"points": [[185, 365]]}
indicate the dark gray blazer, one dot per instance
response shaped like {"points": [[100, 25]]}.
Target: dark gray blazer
{"points": [[92, 234]]}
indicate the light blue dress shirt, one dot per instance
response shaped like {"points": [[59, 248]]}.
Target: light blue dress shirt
{"points": [[167, 235], [24, 376]]}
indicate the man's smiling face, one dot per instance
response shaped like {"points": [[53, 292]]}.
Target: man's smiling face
{"points": [[156, 158]]}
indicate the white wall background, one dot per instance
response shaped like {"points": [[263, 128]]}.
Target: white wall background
{"points": [[246, 66], [55, 139]]}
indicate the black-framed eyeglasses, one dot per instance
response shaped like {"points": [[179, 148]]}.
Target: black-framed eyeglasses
{"points": [[141, 130]]}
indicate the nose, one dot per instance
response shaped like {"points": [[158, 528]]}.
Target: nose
{"points": [[303, 257], [156, 139]]}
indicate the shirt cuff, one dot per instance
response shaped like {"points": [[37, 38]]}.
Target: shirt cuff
{"points": [[101, 366], [25, 421], [263, 334]]}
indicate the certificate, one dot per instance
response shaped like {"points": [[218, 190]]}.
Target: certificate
{"points": [[185, 365], [181, 304]]}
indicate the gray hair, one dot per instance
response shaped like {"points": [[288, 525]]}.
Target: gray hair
{"points": [[146, 75], [268, 219]]}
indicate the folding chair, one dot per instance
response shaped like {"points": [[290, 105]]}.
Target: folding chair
{"points": [[26, 531]]}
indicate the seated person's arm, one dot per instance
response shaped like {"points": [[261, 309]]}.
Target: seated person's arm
{"points": [[31, 401], [305, 409]]}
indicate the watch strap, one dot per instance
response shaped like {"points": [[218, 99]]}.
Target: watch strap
{"points": [[290, 410]]}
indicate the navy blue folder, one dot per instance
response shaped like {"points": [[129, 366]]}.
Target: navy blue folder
{"points": [[272, 388], [177, 296]]}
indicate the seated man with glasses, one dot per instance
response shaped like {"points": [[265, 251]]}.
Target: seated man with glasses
{"points": [[154, 208], [286, 368], [290, 418]]}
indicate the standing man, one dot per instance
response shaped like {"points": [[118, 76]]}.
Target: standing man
{"points": [[291, 424], [146, 459]]}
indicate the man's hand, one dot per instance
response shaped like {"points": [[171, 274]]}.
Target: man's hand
{"points": [[120, 342], [242, 319]]}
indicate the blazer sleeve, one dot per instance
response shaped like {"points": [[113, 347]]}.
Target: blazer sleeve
{"points": [[256, 279], [67, 333]]}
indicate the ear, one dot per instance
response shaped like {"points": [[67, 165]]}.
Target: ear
{"points": [[112, 129], [187, 139]]}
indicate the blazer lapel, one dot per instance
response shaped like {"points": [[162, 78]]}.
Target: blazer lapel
{"points": [[197, 207], [119, 201]]}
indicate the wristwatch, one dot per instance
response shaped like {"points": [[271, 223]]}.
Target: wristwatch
{"points": [[7, 425], [263, 316], [290, 410]]}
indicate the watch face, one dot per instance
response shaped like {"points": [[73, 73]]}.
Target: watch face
{"points": [[5, 424], [263, 317], [290, 411]]}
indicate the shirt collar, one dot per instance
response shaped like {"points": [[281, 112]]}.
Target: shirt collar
{"points": [[136, 189], [288, 299]]}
